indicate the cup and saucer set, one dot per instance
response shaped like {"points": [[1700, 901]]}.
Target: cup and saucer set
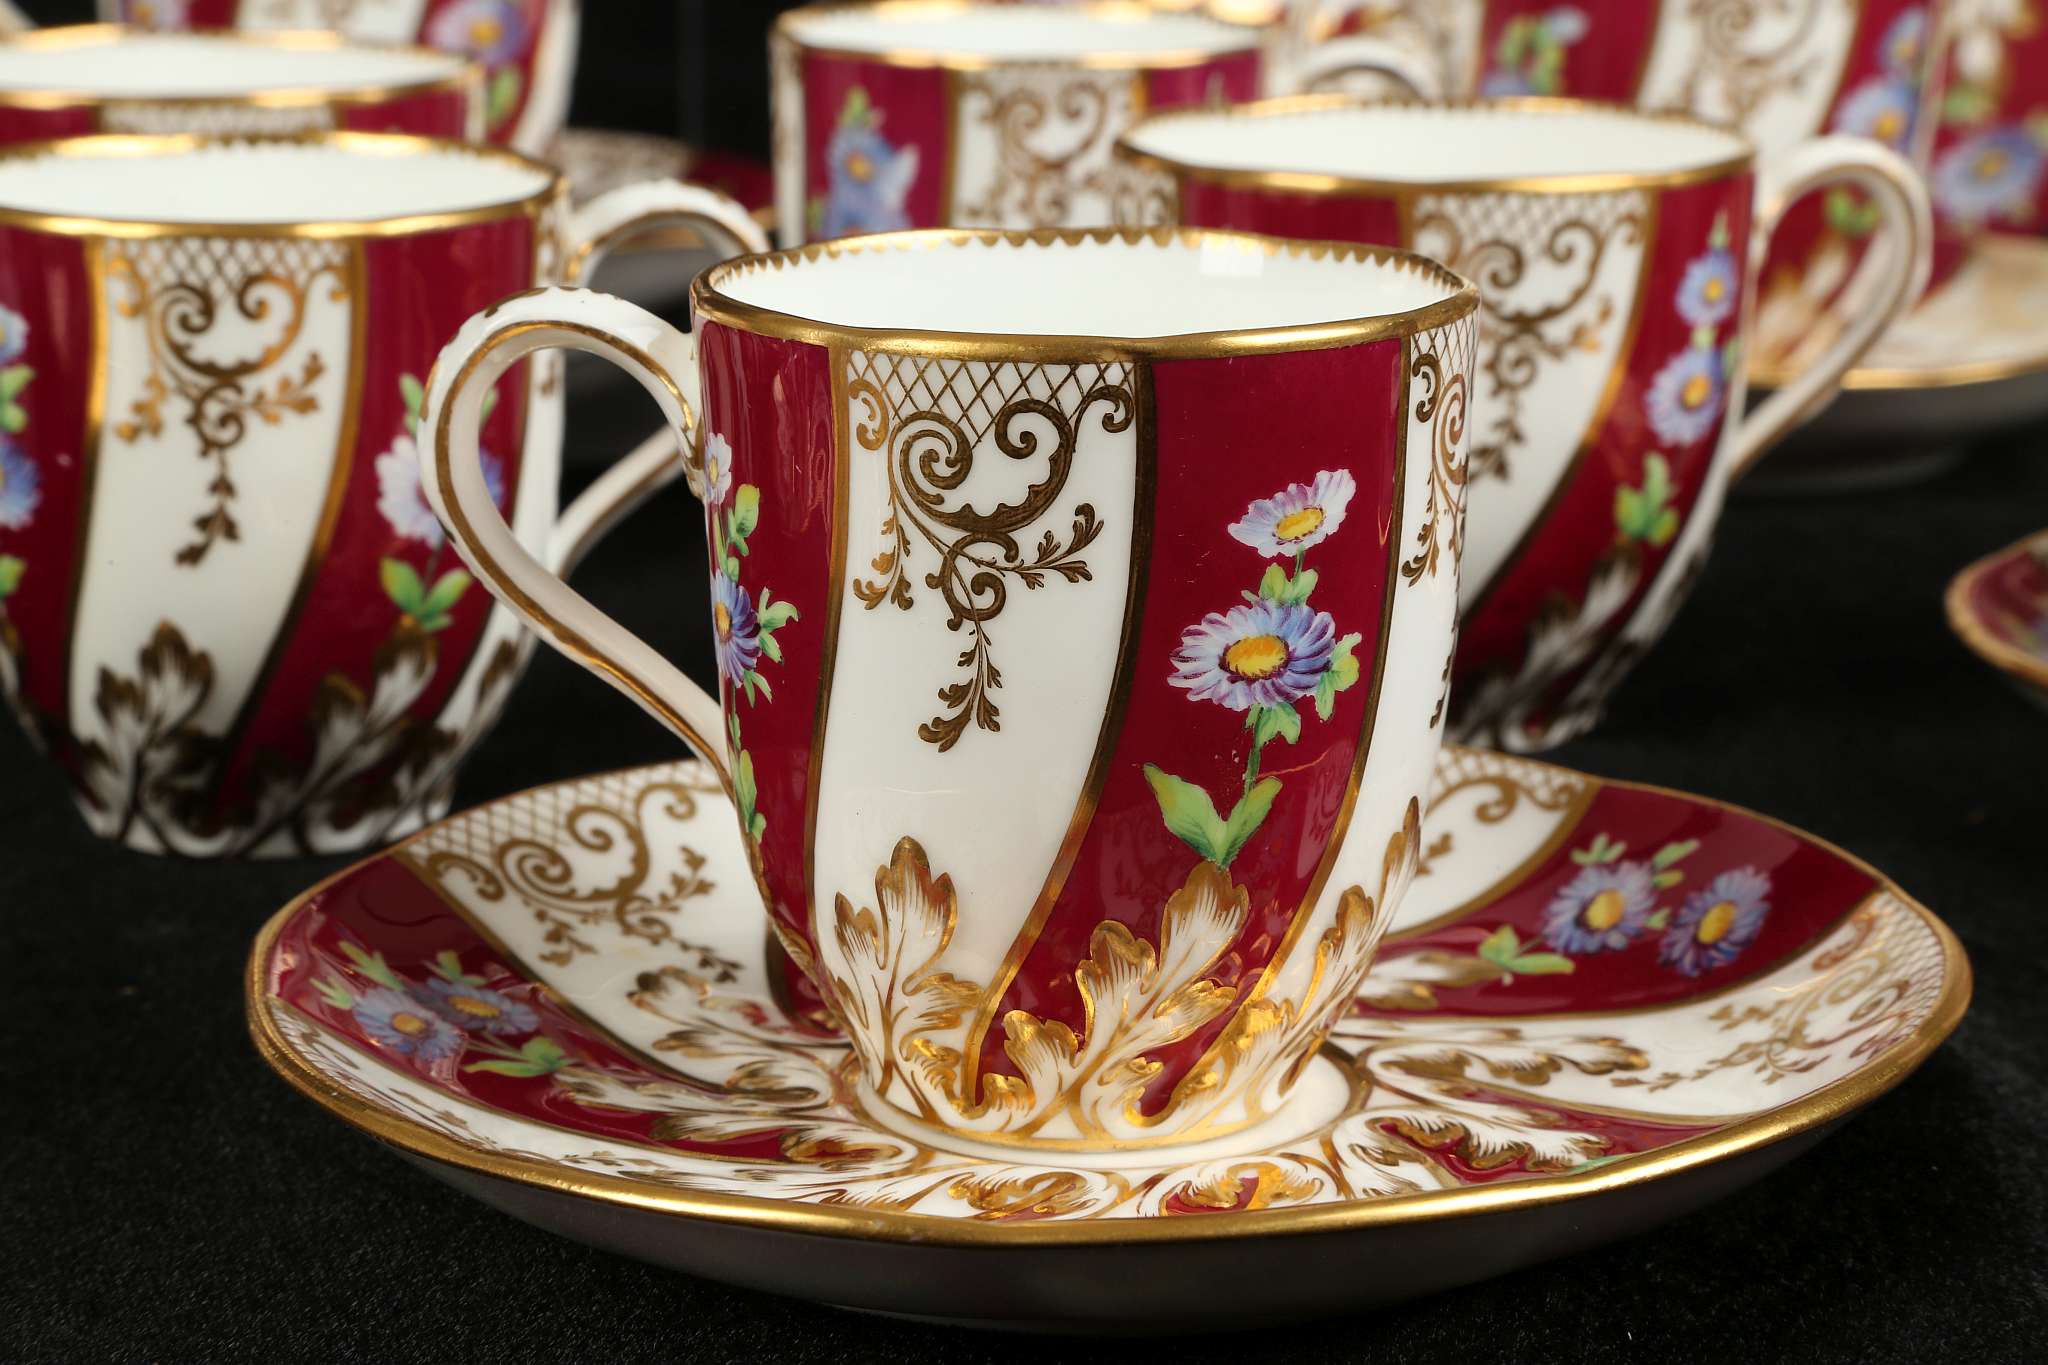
{"points": [[1113, 862]]}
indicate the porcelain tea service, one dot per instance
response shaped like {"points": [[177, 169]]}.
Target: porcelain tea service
{"points": [[228, 613], [1079, 761]]}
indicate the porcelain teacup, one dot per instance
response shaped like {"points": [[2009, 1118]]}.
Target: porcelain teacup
{"points": [[1083, 602], [1617, 253], [103, 78], [979, 113], [224, 606]]}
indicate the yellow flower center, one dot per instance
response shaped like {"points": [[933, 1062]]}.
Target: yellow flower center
{"points": [[1256, 657], [1716, 290], [711, 470], [473, 1007], [860, 167], [722, 619], [1298, 525], [1992, 164], [1715, 924], [1889, 125], [1604, 911], [1697, 391], [411, 1025], [485, 31]]}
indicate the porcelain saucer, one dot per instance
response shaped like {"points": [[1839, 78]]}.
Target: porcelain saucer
{"points": [[1999, 606], [1602, 1006], [1969, 361]]}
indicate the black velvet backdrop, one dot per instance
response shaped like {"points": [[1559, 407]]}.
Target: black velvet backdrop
{"points": [[163, 1197]]}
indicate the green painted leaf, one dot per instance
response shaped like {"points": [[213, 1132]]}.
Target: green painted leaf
{"points": [[746, 509], [757, 826], [1850, 215], [1343, 663], [14, 379], [1541, 964], [13, 419], [402, 585], [1245, 818], [510, 1068], [1301, 585], [11, 571], [769, 648], [1666, 529], [1731, 356], [447, 591], [415, 396], [754, 681], [373, 966], [1189, 813], [1718, 238], [1967, 104], [1273, 585], [1674, 852], [732, 727], [1326, 695], [544, 1052], [1660, 919], [1703, 337], [1664, 881], [503, 97], [335, 993], [1601, 850], [1501, 947], [1280, 720], [489, 405], [732, 568], [775, 615]]}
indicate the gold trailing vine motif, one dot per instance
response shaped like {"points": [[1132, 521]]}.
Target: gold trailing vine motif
{"points": [[1529, 316], [183, 289], [1442, 405], [1746, 77], [1036, 185], [1029, 413]]}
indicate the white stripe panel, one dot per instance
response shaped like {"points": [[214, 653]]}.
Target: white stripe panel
{"points": [[1782, 94], [377, 21]]}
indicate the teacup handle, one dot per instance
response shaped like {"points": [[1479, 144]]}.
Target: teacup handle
{"points": [[593, 231], [1904, 236], [664, 360], [1342, 56]]}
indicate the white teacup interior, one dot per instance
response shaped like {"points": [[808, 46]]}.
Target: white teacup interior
{"points": [[1095, 286], [1439, 144], [119, 64], [1014, 32], [348, 181]]}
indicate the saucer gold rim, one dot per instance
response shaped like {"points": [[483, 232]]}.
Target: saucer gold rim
{"points": [[1824, 1106], [1976, 636]]}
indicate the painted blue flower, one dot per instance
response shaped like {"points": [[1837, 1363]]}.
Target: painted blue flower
{"points": [[1686, 396], [1299, 517], [1707, 294], [474, 1009], [1265, 654], [717, 470], [1882, 108], [736, 628], [13, 335], [1995, 173], [1904, 43], [492, 32], [407, 1026], [1717, 922], [21, 487], [870, 178], [1504, 83], [1602, 909]]}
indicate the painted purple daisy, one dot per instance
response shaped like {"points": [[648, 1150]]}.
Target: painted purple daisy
{"points": [[1265, 654], [1904, 43], [1298, 518], [1717, 922], [1996, 173], [1707, 294], [1882, 108], [407, 1026], [13, 335], [736, 628], [404, 502], [1602, 909], [1685, 397], [717, 470], [476, 1010], [21, 487], [491, 31]]}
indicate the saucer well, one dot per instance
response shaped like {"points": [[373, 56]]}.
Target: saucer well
{"points": [[1970, 360], [1601, 1006], [1999, 606]]}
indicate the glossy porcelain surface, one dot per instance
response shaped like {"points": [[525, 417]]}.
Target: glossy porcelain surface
{"points": [[1999, 608], [1599, 1006], [101, 78], [1616, 253], [1034, 693], [225, 608], [527, 48]]}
